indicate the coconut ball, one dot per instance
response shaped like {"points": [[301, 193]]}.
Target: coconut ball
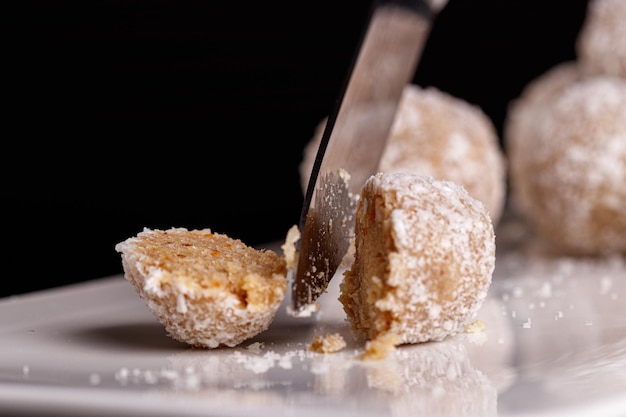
{"points": [[437, 134], [207, 289], [423, 262], [569, 175], [601, 42], [520, 122]]}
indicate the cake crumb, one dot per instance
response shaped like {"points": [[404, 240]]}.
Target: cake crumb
{"points": [[306, 310], [255, 347], [329, 343], [289, 247], [378, 348], [476, 326]]}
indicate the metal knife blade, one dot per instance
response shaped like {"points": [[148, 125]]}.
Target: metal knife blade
{"points": [[354, 139]]}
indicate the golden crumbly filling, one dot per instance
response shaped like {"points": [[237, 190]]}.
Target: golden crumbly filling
{"points": [[202, 260], [378, 348]]}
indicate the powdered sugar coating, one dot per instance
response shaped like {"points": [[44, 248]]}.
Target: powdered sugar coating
{"points": [[424, 258], [437, 134], [206, 288], [570, 175], [601, 42]]}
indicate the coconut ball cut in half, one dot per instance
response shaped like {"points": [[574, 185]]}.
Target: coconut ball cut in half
{"points": [[206, 288], [424, 259]]}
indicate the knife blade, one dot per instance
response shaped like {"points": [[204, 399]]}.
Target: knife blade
{"points": [[354, 139]]}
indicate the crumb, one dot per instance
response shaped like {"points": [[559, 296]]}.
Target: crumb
{"points": [[289, 247], [476, 332], [378, 348], [255, 347], [328, 343], [306, 310], [476, 326]]}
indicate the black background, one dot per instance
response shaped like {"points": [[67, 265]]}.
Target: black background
{"points": [[121, 115]]}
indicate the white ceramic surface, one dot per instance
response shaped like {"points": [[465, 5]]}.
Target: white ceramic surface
{"points": [[554, 345]]}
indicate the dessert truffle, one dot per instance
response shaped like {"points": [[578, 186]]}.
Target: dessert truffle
{"points": [[423, 262], [521, 121], [437, 134], [206, 288], [601, 42], [568, 172]]}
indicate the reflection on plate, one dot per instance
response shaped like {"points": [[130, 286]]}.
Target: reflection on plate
{"points": [[554, 345]]}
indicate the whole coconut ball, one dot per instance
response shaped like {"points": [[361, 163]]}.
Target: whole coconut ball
{"points": [[569, 175], [520, 124], [437, 134], [601, 42]]}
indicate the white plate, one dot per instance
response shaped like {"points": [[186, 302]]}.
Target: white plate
{"points": [[554, 345]]}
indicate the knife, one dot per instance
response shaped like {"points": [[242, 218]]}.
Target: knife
{"points": [[354, 139]]}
